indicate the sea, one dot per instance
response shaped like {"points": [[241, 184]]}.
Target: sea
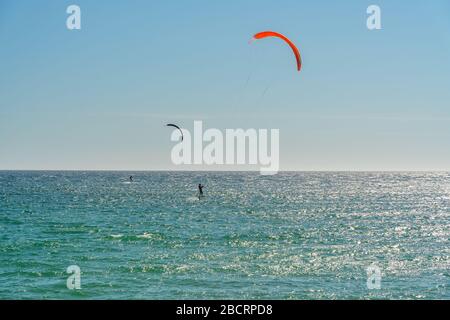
{"points": [[293, 235]]}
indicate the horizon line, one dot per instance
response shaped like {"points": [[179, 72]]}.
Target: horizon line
{"points": [[250, 171]]}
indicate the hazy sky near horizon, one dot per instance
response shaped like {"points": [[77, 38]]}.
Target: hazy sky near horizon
{"points": [[99, 97]]}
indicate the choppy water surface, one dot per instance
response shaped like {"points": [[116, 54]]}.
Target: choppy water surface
{"points": [[288, 236]]}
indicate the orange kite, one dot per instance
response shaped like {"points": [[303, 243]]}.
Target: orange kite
{"points": [[265, 34]]}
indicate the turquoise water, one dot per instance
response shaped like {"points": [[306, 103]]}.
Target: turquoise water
{"points": [[288, 236]]}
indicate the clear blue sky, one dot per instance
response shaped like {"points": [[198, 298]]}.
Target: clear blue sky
{"points": [[98, 98]]}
